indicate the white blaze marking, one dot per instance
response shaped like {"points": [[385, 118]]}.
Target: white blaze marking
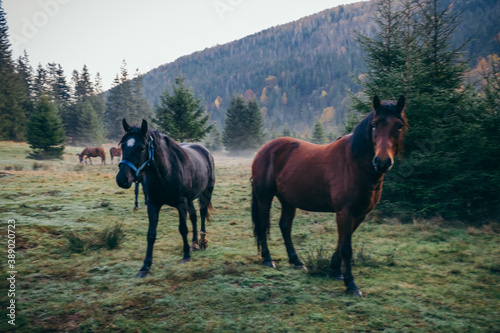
{"points": [[130, 142]]}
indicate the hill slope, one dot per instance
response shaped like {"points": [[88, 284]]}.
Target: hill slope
{"points": [[300, 71]]}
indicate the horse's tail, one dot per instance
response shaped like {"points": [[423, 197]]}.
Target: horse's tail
{"points": [[261, 225], [210, 209]]}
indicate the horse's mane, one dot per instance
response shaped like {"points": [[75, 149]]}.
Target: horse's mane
{"points": [[361, 139], [172, 146]]}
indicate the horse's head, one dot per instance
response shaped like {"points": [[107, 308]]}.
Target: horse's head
{"points": [[388, 123], [135, 153], [80, 156]]}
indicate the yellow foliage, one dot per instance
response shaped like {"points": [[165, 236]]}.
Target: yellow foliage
{"points": [[327, 115], [263, 98], [218, 102]]}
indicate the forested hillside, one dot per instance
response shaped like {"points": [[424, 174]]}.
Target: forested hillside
{"points": [[300, 72]]}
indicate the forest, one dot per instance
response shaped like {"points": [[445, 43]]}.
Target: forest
{"points": [[302, 71]]}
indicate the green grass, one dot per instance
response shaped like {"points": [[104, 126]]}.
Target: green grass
{"points": [[423, 277]]}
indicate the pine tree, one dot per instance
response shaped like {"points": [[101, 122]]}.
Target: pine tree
{"points": [[45, 132], [181, 115], [434, 176], [142, 110], [319, 136], [114, 111], [90, 127], [243, 128], [13, 96], [214, 141], [125, 100], [26, 72]]}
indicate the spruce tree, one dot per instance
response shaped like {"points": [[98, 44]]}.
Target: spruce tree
{"points": [[45, 132], [182, 116], [125, 100], [90, 127], [435, 174], [243, 127], [114, 111], [13, 96], [318, 136]]}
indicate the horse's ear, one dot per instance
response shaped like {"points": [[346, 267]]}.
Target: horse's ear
{"points": [[126, 126], [376, 103], [144, 127], [401, 104]]}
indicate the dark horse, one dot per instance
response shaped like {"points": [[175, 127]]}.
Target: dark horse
{"points": [[344, 177], [89, 152], [115, 152], [173, 175]]}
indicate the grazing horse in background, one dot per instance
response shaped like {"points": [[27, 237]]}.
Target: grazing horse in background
{"points": [[344, 177], [89, 152], [115, 152], [174, 175]]}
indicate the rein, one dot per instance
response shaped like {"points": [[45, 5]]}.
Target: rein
{"points": [[151, 157]]}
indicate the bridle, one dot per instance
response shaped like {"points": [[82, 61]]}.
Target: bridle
{"points": [[151, 157]]}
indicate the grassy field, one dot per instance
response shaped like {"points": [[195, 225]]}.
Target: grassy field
{"points": [[428, 276]]}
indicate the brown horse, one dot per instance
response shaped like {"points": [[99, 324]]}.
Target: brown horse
{"points": [[115, 152], [89, 152], [344, 177]]}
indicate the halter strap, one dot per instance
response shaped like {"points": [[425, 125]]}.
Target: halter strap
{"points": [[151, 157]]}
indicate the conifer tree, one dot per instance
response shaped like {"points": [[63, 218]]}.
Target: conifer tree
{"points": [[13, 96], [243, 127], [26, 72], [90, 127], [318, 136], [434, 176], [45, 132], [181, 115], [114, 110], [214, 141], [125, 100]]}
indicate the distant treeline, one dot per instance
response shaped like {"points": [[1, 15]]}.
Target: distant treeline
{"points": [[300, 72]]}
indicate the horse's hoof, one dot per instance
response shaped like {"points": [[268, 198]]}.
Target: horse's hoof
{"points": [[194, 247], [136, 209], [356, 292], [142, 274], [203, 241], [269, 264], [185, 260]]}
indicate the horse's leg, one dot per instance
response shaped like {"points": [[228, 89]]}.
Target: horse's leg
{"points": [[193, 218], [260, 215], [205, 200], [153, 212], [346, 224], [183, 229], [91, 161], [286, 221]]}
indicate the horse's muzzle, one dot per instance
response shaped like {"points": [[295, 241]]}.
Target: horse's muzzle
{"points": [[382, 166], [124, 179]]}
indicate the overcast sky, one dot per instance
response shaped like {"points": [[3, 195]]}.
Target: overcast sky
{"points": [[147, 33]]}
